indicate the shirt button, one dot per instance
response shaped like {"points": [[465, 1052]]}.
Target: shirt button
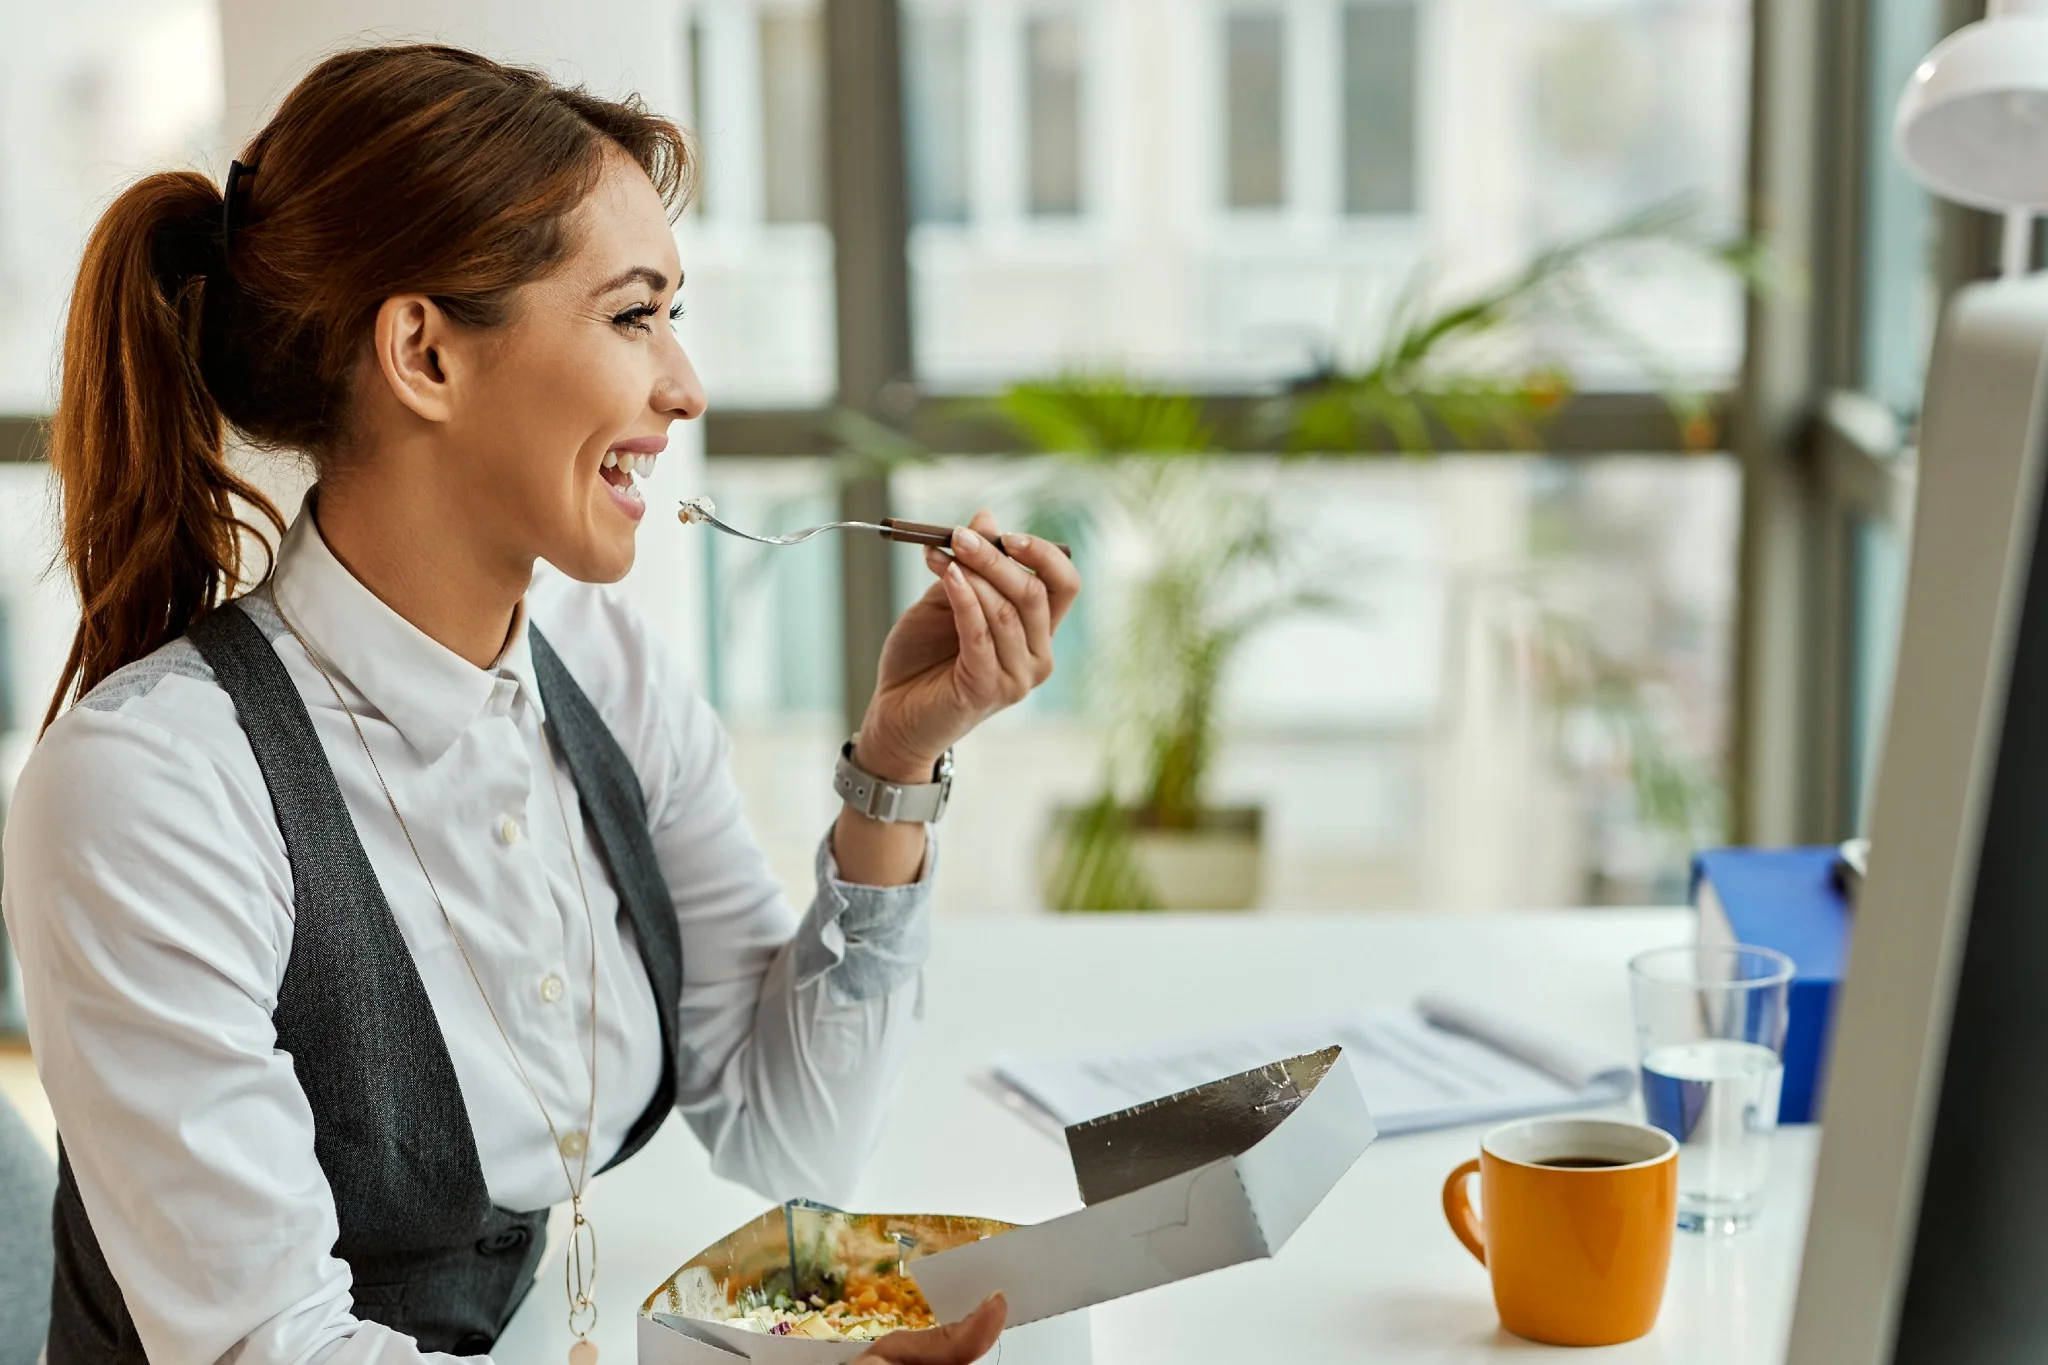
{"points": [[550, 988], [572, 1144], [508, 830]]}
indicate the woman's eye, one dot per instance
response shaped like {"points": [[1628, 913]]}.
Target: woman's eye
{"points": [[636, 318]]}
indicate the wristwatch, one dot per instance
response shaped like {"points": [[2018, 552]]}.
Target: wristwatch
{"points": [[920, 803]]}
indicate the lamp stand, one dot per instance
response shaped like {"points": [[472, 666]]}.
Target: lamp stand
{"points": [[2016, 245]]}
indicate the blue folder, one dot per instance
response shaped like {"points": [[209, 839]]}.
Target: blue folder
{"points": [[1787, 899]]}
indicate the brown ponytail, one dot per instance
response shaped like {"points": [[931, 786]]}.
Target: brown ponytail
{"points": [[387, 170], [151, 532]]}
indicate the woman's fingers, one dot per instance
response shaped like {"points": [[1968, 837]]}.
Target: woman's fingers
{"points": [[1061, 579], [978, 660], [957, 1343], [1012, 642], [1022, 589]]}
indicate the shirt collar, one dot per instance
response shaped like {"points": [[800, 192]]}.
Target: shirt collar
{"points": [[426, 691]]}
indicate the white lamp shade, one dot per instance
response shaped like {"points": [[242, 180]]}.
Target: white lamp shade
{"points": [[1972, 124]]}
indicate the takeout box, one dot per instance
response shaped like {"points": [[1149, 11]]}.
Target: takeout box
{"points": [[1195, 1182]]}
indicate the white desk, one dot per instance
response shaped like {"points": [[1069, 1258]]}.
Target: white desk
{"points": [[1374, 1276]]}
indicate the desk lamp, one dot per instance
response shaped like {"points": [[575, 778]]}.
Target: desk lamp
{"points": [[1972, 123]]}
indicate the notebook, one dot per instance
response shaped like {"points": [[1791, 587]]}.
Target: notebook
{"points": [[1443, 1063]]}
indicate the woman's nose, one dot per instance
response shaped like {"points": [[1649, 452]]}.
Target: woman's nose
{"points": [[681, 394]]}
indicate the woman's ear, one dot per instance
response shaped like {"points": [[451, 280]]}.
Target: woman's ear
{"points": [[411, 340]]}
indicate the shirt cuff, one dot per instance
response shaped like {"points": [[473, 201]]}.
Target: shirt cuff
{"points": [[866, 940]]}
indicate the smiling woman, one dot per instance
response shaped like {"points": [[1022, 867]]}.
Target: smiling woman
{"points": [[369, 913], [387, 200]]}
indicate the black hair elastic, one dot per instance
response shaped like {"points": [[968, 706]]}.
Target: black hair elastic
{"points": [[237, 173]]}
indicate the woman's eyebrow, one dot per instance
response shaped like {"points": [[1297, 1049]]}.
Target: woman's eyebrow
{"points": [[653, 279]]}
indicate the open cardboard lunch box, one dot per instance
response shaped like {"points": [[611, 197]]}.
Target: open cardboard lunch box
{"points": [[1208, 1178]]}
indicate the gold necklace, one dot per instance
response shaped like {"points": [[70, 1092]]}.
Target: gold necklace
{"points": [[579, 1267]]}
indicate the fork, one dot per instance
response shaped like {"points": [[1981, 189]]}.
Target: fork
{"points": [[890, 528]]}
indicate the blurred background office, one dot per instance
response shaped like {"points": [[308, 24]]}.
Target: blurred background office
{"points": [[1485, 423]]}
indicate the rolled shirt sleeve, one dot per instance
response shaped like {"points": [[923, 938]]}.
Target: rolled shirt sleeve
{"points": [[793, 1029]]}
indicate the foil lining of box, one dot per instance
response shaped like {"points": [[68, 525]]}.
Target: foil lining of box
{"points": [[1148, 1143]]}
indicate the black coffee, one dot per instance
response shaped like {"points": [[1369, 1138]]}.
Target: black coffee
{"points": [[1582, 1163]]}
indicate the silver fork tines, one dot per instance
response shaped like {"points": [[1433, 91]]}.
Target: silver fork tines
{"points": [[695, 512]]}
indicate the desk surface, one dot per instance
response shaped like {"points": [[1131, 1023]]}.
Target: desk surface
{"points": [[1373, 1276]]}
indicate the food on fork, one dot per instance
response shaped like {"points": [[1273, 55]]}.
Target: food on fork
{"points": [[697, 509]]}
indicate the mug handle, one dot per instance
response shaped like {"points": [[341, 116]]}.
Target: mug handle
{"points": [[1458, 1209]]}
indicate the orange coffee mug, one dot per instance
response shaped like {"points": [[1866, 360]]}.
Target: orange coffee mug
{"points": [[1577, 1227]]}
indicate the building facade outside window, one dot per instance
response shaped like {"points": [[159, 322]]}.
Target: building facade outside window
{"points": [[1053, 134], [1380, 92], [1255, 109], [938, 113]]}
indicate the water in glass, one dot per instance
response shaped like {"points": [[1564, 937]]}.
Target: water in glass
{"points": [[1719, 1098]]}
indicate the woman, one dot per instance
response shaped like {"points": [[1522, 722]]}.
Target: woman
{"points": [[366, 916]]}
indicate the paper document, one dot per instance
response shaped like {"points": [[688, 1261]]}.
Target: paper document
{"points": [[1443, 1063]]}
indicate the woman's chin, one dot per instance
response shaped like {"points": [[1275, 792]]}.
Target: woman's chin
{"points": [[603, 553]]}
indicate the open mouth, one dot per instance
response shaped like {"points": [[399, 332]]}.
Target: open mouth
{"points": [[622, 468]]}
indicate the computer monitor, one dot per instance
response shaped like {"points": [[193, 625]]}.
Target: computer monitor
{"points": [[1929, 1232]]}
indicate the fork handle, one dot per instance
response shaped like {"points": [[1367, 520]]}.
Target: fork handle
{"points": [[924, 533]]}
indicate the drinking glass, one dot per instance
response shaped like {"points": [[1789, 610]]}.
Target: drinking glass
{"points": [[1710, 1037]]}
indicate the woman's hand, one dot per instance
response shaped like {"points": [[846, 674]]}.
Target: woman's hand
{"points": [[980, 639], [957, 1343]]}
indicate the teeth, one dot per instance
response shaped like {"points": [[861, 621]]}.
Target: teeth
{"points": [[611, 459], [644, 466], [633, 492]]}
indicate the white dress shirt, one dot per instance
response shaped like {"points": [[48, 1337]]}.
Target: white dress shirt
{"points": [[150, 903]]}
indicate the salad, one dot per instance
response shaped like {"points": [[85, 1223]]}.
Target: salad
{"points": [[868, 1307]]}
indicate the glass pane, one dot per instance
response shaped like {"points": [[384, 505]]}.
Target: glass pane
{"points": [[694, 104], [1269, 183], [1639, 105], [1518, 699], [1900, 293], [1254, 111], [1379, 108], [937, 115], [1052, 66], [760, 322], [96, 95], [793, 115], [772, 652]]}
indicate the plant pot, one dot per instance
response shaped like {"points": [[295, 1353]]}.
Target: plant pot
{"points": [[1218, 865]]}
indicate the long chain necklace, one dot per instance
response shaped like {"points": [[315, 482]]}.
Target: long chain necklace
{"points": [[580, 1256]]}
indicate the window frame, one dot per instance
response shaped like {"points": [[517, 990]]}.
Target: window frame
{"points": [[1806, 467]]}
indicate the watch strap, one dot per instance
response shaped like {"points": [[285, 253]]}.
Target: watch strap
{"points": [[879, 799]]}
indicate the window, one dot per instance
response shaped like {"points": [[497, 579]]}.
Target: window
{"points": [[937, 116], [1900, 296], [793, 115], [695, 106], [1052, 86], [1522, 701], [1379, 55], [761, 319], [1255, 86]]}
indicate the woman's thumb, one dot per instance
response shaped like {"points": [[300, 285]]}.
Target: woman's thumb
{"points": [[957, 1343]]}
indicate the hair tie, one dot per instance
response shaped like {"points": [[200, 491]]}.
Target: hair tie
{"points": [[237, 173], [182, 248]]}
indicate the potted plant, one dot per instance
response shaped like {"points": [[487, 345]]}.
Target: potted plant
{"points": [[1144, 465], [1213, 569]]}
